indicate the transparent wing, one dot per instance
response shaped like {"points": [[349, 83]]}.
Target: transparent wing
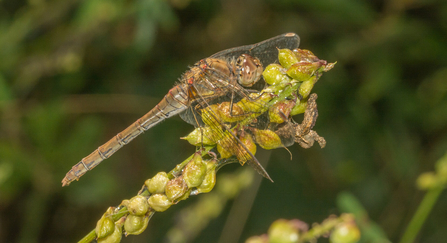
{"points": [[266, 51]]}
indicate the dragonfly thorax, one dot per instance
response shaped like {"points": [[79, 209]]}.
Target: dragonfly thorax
{"points": [[248, 70]]}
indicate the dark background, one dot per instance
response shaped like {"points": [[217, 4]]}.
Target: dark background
{"points": [[74, 73]]}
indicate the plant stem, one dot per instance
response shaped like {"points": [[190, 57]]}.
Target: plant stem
{"points": [[421, 215], [89, 237]]}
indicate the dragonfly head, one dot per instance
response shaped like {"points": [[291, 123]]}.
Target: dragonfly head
{"points": [[249, 70]]}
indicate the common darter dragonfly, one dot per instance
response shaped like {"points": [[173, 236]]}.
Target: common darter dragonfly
{"points": [[226, 75]]}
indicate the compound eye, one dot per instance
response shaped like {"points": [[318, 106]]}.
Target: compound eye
{"points": [[249, 70]]}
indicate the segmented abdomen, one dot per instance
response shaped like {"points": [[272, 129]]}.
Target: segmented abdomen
{"points": [[174, 102]]}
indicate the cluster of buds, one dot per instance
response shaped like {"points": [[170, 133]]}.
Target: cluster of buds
{"points": [[157, 195], [287, 94], [298, 70], [341, 229]]}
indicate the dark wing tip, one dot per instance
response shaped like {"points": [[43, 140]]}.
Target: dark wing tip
{"points": [[258, 167], [290, 34]]}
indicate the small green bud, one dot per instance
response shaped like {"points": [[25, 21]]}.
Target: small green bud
{"points": [[117, 234], [267, 139], [345, 233], [105, 226], [275, 117], [273, 74], [138, 205], [299, 108], [228, 113], [287, 58], [210, 178], [226, 152], [135, 225], [306, 87], [195, 137], [157, 184], [159, 202], [283, 231], [303, 71], [281, 110], [195, 171], [176, 188], [304, 55]]}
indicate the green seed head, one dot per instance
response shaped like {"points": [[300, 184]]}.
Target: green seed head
{"points": [[287, 58], [157, 184], [135, 225], [267, 139], [105, 226], [159, 202], [302, 71], [306, 87], [273, 74], [117, 234], [138, 205], [299, 108], [230, 114], [195, 137], [195, 171], [210, 178], [176, 188], [304, 55], [281, 110]]}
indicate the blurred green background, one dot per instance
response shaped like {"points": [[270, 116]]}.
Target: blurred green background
{"points": [[74, 73]]}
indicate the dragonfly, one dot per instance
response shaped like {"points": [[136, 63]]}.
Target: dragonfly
{"points": [[225, 75]]}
